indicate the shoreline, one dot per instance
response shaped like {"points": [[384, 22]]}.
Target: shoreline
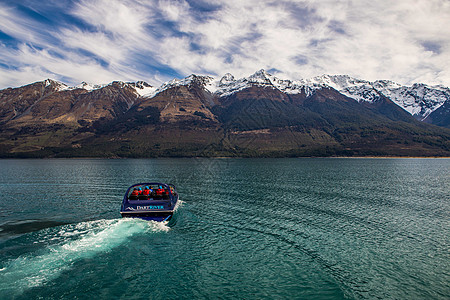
{"points": [[229, 157]]}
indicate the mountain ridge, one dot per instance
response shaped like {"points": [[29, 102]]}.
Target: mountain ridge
{"points": [[258, 115], [420, 100]]}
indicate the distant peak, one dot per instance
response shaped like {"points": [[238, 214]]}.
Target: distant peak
{"points": [[261, 74], [193, 79], [50, 81], [140, 84], [59, 86], [88, 86], [203, 79], [261, 77], [227, 79]]}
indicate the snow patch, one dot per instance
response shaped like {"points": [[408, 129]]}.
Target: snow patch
{"points": [[191, 79], [143, 89], [89, 86], [59, 86]]}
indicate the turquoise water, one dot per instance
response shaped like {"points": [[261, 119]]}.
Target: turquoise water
{"points": [[246, 229]]}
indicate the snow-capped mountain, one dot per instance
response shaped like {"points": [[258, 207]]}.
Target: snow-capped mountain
{"points": [[205, 116], [142, 88], [87, 86], [58, 86], [420, 100], [228, 85], [205, 81]]}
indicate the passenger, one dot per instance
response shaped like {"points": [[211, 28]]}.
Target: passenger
{"points": [[159, 191], [134, 193], [140, 191], [146, 191]]}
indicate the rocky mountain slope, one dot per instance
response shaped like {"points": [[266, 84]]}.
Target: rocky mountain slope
{"points": [[259, 115]]}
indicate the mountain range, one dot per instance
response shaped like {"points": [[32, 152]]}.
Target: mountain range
{"points": [[258, 115]]}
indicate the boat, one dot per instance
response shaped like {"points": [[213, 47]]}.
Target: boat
{"points": [[158, 203]]}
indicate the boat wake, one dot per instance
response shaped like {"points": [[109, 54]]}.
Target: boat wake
{"points": [[13, 229], [67, 245]]}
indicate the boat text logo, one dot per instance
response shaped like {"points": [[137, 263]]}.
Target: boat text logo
{"points": [[146, 207]]}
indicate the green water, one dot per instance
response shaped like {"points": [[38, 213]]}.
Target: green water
{"points": [[246, 229]]}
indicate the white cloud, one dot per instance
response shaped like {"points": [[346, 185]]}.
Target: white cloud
{"points": [[118, 17], [97, 43], [174, 10], [377, 39], [405, 41]]}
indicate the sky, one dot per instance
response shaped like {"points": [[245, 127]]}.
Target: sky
{"points": [[99, 41]]}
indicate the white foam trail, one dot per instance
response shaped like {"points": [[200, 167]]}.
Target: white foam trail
{"points": [[179, 204], [91, 238]]}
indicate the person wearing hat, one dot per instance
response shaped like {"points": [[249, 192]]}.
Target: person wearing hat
{"points": [[159, 191], [146, 191]]}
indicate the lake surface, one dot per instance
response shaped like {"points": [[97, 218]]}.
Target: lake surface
{"points": [[246, 229]]}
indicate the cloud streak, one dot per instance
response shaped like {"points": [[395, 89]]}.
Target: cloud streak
{"points": [[100, 41]]}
